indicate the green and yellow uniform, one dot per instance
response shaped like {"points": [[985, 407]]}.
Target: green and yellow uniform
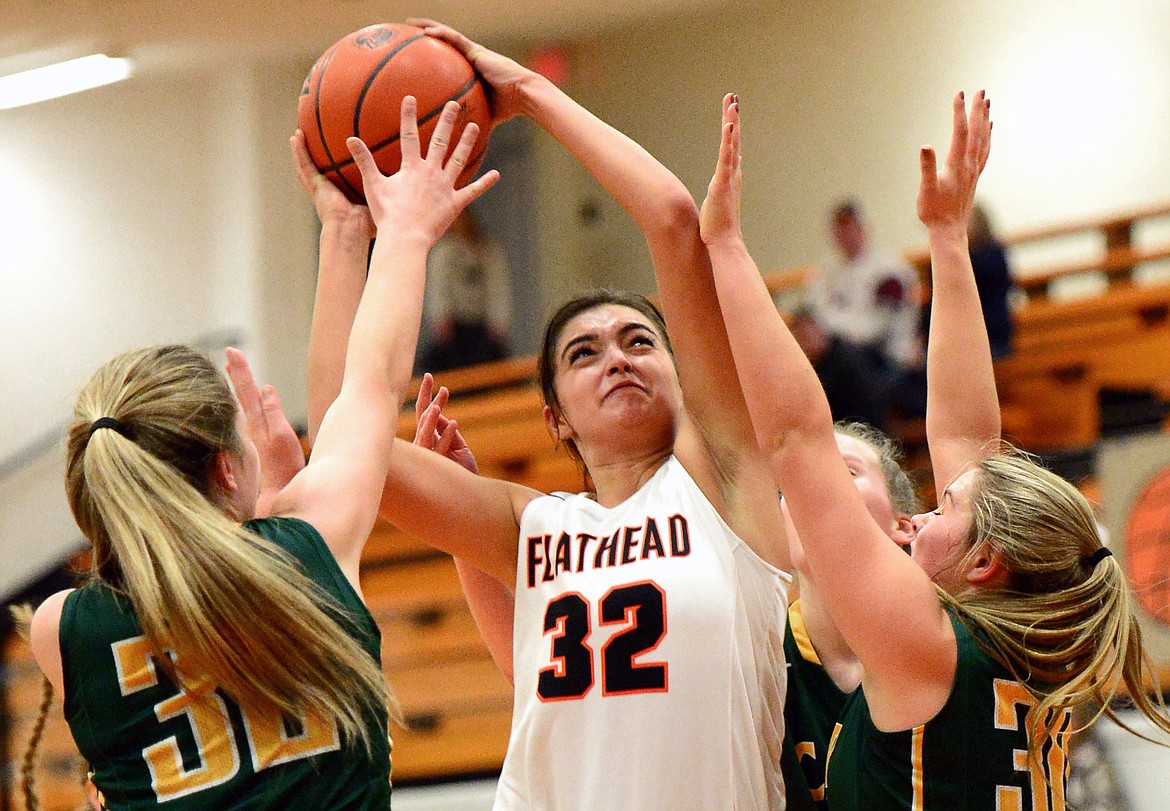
{"points": [[152, 745], [972, 756], [811, 709]]}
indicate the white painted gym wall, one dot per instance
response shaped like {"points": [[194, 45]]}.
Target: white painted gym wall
{"points": [[165, 208], [161, 209]]}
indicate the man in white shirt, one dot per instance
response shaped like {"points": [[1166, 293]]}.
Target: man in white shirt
{"points": [[869, 299]]}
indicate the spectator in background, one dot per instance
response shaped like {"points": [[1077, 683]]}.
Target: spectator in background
{"points": [[869, 300], [842, 371], [993, 277], [468, 304]]}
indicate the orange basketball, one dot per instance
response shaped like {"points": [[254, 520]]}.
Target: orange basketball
{"points": [[357, 86]]}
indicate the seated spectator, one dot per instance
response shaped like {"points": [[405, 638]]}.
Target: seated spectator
{"points": [[869, 300], [993, 277], [842, 372], [468, 303]]}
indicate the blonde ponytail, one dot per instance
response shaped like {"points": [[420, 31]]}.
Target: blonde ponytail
{"points": [[234, 607], [1064, 624], [28, 763]]}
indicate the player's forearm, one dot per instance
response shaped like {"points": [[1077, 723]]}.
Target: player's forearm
{"points": [[781, 389], [961, 398], [341, 278], [381, 345]]}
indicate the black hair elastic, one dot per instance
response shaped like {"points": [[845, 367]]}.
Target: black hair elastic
{"points": [[1098, 556], [112, 424]]}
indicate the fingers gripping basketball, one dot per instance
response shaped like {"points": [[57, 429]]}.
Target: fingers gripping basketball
{"points": [[356, 89]]}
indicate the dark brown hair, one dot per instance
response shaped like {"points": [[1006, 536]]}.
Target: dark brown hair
{"points": [[547, 366]]}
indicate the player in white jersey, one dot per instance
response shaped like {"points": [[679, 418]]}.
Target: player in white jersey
{"points": [[660, 671], [649, 657]]}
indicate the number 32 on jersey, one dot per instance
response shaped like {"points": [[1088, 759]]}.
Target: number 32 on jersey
{"points": [[641, 608]]}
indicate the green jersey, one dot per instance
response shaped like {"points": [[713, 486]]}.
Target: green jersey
{"points": [[811, 709], [971, 756], [151, 745]]}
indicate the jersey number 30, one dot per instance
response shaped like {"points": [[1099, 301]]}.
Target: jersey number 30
{"points": [[642, 607], [269, 739]]}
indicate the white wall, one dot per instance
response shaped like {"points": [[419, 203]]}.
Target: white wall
{"points": [[158, 210], [838, 96], [165, 207]]}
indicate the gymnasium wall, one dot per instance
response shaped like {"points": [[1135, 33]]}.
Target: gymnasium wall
{"points": [[837, 98], [165, 208], [159, 210]]}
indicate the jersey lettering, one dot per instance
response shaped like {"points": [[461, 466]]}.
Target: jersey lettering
{"points": [[547, 559], [571, 673], [680, 538], [608, 548], [829, 753], [273, 740], [653, 541], [808, 750], [643, 607], [630, 544], [207, 717], [583, 538], [563, 561]]}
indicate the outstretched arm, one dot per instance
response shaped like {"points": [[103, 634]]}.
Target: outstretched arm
{"points": [[883, 603], [492, 604], [279, 449], [419, 489], [962, 409], [339, 491], [344, 245], [733, 475]]}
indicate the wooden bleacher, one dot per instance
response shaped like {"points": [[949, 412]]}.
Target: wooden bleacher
{"points": [[457, 705], [1067, 350]]}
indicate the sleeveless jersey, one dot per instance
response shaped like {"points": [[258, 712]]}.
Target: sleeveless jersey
{"points": [[811, 710], [152, 746], [972, 756], [648, 657]]}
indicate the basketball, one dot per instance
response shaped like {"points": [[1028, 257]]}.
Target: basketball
{"points": [[356, 89]]}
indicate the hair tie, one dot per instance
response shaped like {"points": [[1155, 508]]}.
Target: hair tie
{"points": [[1098, 556], [114, 425]]}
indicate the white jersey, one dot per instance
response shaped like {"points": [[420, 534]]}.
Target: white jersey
{"points": [[648, 657], [871, 301]]}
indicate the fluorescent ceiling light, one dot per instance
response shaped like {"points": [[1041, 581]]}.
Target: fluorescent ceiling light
{"points": [[61, 79]]}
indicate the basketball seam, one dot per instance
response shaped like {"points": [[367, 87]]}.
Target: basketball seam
{"points": [[478, 154], [357, 109], [463, 91], [321, 125]]}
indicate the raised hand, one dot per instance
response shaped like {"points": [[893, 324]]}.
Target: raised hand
{"points": [[719, 217], [277, 444], [945, 197], [502, 74], [420, 199], [434, 431], [332, 206]]}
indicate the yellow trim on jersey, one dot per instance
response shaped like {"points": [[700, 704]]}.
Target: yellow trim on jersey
{"points": [[918, 802], [800, 634]]}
